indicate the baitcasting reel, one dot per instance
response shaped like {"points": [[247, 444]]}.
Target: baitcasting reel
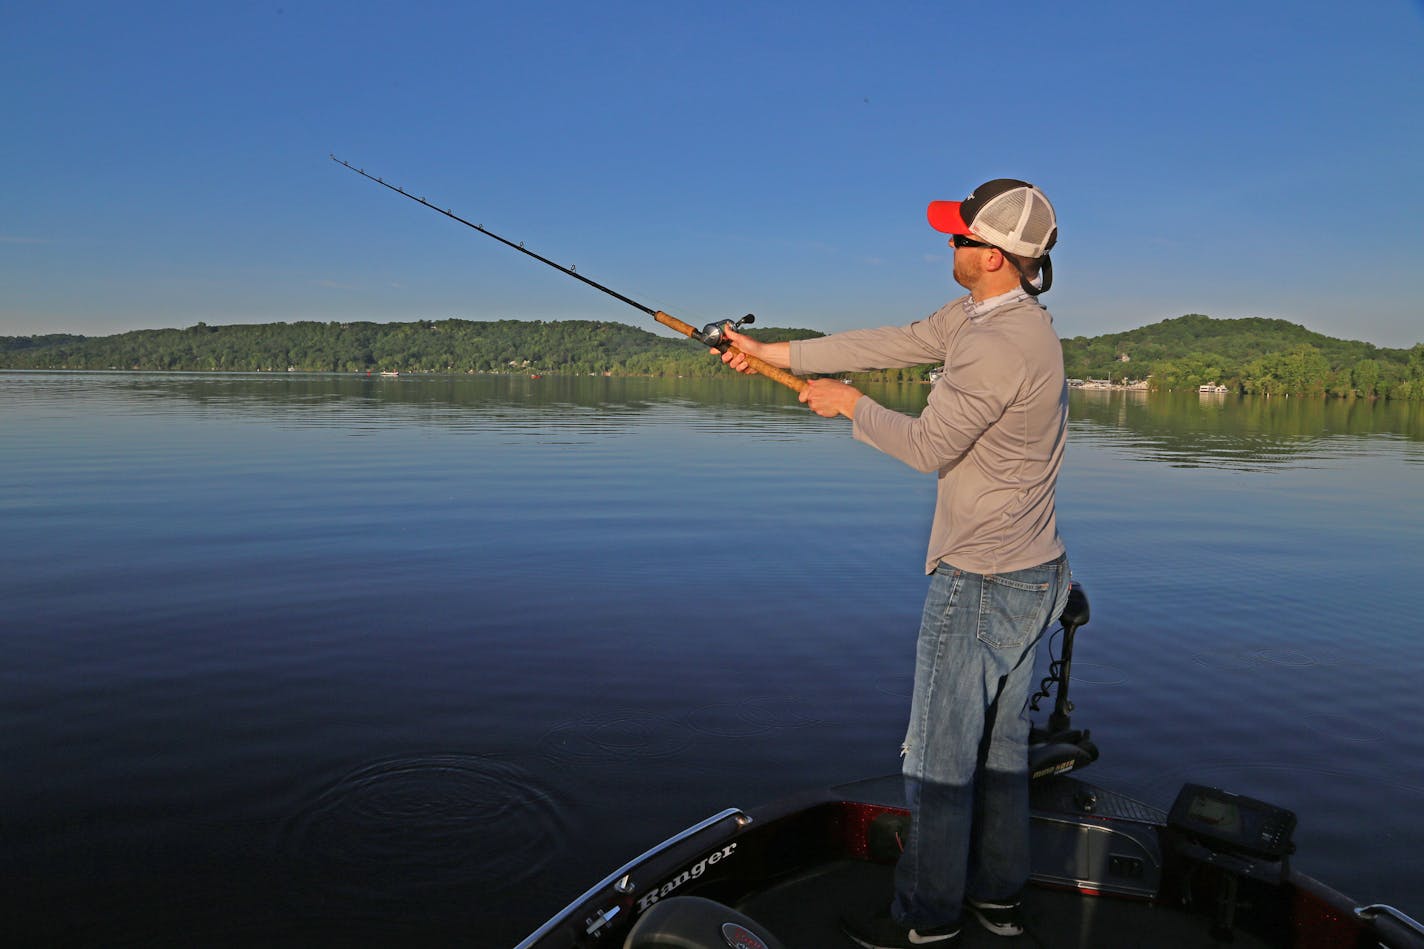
{"points": [[712, 333]]}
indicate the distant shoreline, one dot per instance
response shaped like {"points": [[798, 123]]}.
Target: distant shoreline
{"points": [[1247, 356]]}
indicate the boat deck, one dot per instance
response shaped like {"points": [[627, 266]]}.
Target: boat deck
{"points": [[803, 913]]}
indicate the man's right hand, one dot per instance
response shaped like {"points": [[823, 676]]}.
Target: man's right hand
{"points": [[774, 354]]}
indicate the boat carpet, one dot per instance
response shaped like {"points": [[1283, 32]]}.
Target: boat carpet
{"points": [[803, 912]]}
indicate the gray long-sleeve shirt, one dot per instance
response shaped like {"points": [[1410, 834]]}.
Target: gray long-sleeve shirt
{"points": [[994, 427]]}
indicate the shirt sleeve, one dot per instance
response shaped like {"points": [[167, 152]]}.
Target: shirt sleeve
{"points": [[980, 377], [889, 347]]}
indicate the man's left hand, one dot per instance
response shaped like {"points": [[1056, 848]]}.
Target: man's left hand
{"points": [[829, 398]]}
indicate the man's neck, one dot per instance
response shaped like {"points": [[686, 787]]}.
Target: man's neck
{"points": [[979, 309], [988, 289]]}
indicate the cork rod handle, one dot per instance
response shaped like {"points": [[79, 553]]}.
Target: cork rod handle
{"points": [[775, 373]]}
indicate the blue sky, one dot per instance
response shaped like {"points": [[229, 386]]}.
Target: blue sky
{"points": [[167, 163]]}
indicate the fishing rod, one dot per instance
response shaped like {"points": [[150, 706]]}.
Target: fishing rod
{"points": [[710, 335]]}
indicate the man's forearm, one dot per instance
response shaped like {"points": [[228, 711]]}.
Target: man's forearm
{"points": [[778, 354]]}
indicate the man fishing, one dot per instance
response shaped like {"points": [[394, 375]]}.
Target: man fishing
{"points": [[993, 431]]}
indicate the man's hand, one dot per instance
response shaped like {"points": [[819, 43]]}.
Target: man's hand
{"points": [[825, 397], [829, 398], [773, 354]]}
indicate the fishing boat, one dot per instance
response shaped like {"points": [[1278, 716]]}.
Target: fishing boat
{"points": [[1108, 871]]}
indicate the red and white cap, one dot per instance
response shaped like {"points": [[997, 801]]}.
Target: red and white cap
{"points": [[1012, 215]]}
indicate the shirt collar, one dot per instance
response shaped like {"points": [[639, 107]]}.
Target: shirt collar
{"points": [[978, 309]]}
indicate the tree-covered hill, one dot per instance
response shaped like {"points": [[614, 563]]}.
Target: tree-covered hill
{"points": [[568, 346], [1247, 355]]}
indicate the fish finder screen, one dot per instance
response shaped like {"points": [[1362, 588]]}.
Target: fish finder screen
{"points": [[1232, 822], [1218, 815]]}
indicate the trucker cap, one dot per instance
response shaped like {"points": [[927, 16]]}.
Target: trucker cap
{"points": [[1012, 215]]}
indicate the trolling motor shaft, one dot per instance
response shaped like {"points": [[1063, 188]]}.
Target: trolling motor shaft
{"points": [[1060, 747], [711, 335]]}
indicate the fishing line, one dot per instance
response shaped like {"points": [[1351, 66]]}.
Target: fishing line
{"points": [[710, 335]]}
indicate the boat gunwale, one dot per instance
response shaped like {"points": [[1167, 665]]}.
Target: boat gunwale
{"points": [[612, 880], [1321, 904]]}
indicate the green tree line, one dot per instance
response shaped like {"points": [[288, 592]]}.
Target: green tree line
{"points": [[448, 346], [1253, 356]]}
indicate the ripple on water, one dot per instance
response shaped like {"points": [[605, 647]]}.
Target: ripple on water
{"points": [[1097, 673], [1255, 658], [1273, 780], [901, 685], [617, 734], [1344, 727], [752, 717], [633, 734], [418, 828]]}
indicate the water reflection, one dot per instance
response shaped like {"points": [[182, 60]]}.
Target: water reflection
{"points": [[333, 658], [1245, 433], [366, 403], [1179, 429]]}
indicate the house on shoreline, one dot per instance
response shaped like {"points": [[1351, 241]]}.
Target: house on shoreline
{"points": [[1135, 385]]}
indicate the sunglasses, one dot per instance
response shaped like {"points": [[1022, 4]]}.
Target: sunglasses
{"points": [[964, 240]]}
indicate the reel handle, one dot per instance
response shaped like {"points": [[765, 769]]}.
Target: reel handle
{"points": [[775, 373]]}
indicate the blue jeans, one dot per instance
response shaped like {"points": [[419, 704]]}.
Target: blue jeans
{"points": [[966, 750]]}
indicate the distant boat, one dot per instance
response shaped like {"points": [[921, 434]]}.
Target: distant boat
{"points": [[535, 375], [392, 373], [1212, 387]]}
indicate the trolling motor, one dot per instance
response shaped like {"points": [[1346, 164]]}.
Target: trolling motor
{"points": [[712, 333], [1060, 748]]}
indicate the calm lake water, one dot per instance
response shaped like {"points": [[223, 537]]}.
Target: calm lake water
{"points": [[317, 660]]}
